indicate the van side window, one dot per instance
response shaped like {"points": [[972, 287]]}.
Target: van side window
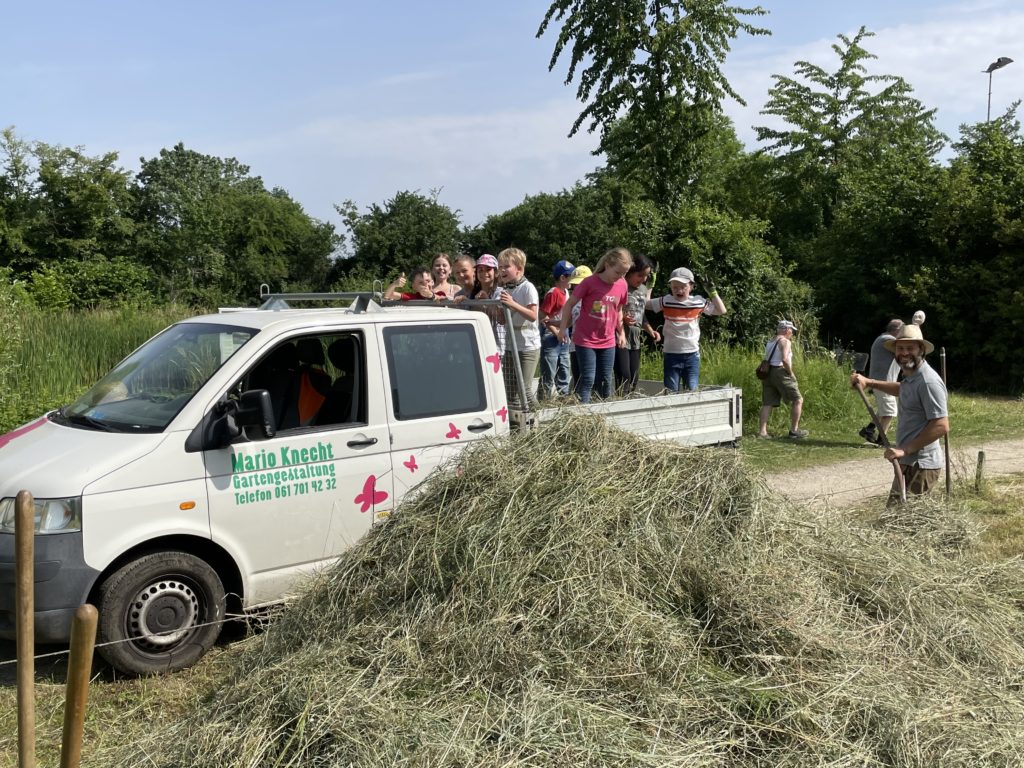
{"points": [[314, 381], [435, 370]]}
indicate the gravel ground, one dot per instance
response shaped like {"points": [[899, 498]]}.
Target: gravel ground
{"points": [[849, 482]]}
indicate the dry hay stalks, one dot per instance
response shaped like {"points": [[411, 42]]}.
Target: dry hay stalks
{"points": [[579, 596]]}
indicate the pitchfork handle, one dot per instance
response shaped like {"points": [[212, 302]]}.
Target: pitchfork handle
{"points": [[900, 480]]}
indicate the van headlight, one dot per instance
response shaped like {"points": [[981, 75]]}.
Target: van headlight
{"points": [[49, 515]]}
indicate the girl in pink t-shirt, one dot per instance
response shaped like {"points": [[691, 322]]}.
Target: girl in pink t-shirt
{"points": [[599, 327]]}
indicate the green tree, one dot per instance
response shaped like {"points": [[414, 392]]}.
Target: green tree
{"points": [[85, 206], [18, 201], [59, 204], [850, 185], [406, 231], [729, 250], [973, 287], [836, 123], [183, 204], [211, 232], [577, 224], [271, 240], [656, 64]]}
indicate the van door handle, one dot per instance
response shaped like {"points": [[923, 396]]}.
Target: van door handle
{"points": [[362, 443], [479, 427]]}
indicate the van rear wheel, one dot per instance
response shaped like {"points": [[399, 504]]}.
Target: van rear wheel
{"points": [[159, 613]]}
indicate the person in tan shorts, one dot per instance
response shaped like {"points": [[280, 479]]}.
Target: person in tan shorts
{"points": [[781, 386]]}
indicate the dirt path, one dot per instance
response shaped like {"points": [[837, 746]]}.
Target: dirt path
{"points": [[848, 482]]}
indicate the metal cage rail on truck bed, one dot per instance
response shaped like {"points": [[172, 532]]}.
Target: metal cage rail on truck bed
{"points": [[373, 301], [708, 416]]}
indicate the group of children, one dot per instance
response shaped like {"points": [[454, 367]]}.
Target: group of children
{"points": [[587, 332]]}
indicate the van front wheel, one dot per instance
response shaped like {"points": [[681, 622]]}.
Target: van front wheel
{"points": [[159, 613]]}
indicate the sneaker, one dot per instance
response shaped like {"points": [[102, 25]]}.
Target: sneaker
{"points": [[868, 433], [763, 437], [798, 434]]}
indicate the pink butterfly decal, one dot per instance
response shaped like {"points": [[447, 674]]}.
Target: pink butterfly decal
{"points": [[411, 464], [453, 432], [503, 413], [370, 495], [494, 360]]}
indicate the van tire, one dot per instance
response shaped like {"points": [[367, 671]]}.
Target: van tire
{"points": [[162, 612]]}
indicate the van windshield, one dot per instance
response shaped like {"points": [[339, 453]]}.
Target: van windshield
{"points": [[147, 389]]}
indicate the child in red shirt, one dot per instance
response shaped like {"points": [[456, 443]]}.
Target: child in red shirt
{"points": [[422, 287]]}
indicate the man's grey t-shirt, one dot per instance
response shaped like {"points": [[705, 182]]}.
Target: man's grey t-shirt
{"points": [[881, 358], [922, 399]]}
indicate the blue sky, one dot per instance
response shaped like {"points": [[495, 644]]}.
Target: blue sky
{"points": [[344, 100]]}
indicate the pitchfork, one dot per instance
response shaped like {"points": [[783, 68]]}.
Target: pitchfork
{"points": [[859, 363]]}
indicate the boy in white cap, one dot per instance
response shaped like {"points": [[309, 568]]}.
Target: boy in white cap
{"points": [[681, 333]]}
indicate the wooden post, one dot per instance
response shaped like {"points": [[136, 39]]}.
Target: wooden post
{"points": [[945, 437], [83, 641], [979, 473], [24, 617]]}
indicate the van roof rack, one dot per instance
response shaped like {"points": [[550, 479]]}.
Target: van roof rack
{"points": [[362, 301]]}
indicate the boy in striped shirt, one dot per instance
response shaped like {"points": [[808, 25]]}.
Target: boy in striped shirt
{"points": [[681, 333]]}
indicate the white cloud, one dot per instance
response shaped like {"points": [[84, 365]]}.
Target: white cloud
{"points": [[485, 163]]}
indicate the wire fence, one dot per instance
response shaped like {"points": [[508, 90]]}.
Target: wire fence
{"points": [[228, 617]]}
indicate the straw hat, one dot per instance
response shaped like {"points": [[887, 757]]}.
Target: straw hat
{"points": [[910, 333]]}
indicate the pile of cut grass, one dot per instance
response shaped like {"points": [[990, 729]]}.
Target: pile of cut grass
{"points": [[580, 596]]}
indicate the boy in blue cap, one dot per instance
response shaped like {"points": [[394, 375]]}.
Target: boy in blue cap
{"points": [[554, 354]]}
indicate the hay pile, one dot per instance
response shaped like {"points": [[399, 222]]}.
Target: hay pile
{"points": [[581, 597]]}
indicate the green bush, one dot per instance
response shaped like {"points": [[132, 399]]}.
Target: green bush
{"points": [[91, 284]]}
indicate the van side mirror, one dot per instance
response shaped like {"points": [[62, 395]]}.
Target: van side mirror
{"points": [[226, 421], [254, 409]]}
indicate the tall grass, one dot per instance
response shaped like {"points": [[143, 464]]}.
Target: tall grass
{"points": [[57, 355], [822, 381]]}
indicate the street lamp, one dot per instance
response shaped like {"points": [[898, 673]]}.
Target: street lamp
{"points": [[999, 63]]}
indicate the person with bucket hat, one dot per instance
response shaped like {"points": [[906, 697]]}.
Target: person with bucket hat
{"points": [[781, 382], [924, 416]]}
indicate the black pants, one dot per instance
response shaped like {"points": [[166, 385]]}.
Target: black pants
{"points": [[627, 369]]}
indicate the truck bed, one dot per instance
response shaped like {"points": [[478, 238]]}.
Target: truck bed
{"points": [[708, 416]]}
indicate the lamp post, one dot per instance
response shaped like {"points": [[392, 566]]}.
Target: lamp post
{"points": [[999, 63]]}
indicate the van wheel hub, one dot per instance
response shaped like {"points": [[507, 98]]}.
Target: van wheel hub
{"points": [[163, 613]]}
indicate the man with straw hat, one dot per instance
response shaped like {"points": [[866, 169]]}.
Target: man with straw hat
{"points": [[924, 418]]}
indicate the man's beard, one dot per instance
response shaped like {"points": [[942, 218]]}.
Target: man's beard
{"points": [[911, 363]]}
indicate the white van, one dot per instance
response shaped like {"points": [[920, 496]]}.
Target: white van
{"points": [[231, 455]]}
